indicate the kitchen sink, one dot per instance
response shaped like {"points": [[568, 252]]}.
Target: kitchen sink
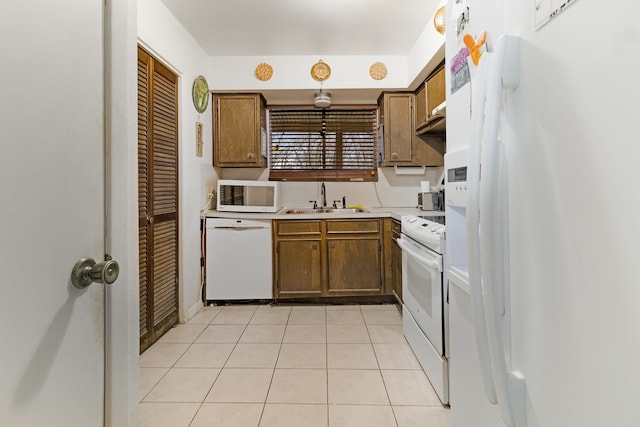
{"points": [[287, 211]]}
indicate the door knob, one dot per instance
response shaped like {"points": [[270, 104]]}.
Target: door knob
{"points": [[86, 271]]}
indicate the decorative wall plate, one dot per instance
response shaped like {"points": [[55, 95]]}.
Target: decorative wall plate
{"points": [[264, 71], [320, 71], [200, 94], [378, 71], [439, 20]]}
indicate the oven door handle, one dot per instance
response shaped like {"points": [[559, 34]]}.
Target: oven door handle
{"points": [[433, 265]]}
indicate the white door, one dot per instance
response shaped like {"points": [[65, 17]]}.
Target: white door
{"points": [[52, 212]]}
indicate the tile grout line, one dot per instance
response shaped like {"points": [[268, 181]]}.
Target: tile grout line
{"points": [[174, 363], [376, 322], [326, 357], [223, 365], [395, 419], [273, 372], [173, 367], [219, 371]]}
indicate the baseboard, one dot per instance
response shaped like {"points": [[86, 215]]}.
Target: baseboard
{"points": [[195, 309]]}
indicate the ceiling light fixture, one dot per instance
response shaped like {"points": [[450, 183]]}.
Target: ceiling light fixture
{"points": [[320, 72], [322, 99]]}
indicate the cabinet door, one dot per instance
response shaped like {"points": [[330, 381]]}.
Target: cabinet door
{"points": [[398, 127], [237, 130], [396, 261], [428, 97], [158, 198], [436, 93], [354, 265], [421, 107], [299, 268]]}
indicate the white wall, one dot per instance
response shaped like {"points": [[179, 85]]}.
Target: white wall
{"points": [[294, 72], [347, 72], [391, 190], [164, 36], [426, 53]]}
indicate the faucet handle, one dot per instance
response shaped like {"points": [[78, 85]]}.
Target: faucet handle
{"points": [[315, 204], [335, 204]]}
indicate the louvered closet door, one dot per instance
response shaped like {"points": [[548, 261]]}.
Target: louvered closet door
{"points": [[158, 198]]}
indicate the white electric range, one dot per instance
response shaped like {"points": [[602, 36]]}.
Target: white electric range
{"points": [[424, 292]]}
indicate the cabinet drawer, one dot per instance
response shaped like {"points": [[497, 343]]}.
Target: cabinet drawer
{"points": [[298, 227], [353, 226]]}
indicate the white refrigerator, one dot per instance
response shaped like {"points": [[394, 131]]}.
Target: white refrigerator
{"points": [[543, 251]]}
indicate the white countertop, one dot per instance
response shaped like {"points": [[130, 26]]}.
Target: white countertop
{"points": [[378, 212]]}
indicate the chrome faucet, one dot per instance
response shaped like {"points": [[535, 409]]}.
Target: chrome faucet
{"points": [[323, 195]]}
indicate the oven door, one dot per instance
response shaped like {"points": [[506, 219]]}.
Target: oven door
{"points": [[422, 289]]}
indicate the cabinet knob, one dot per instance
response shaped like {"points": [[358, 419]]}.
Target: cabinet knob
{"points": [[394, 155], [250, 156], [315, 246]]}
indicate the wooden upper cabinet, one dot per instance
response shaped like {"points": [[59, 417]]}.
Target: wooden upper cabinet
{"points": [[429, 96], [401, 145], [239, 130], [396, 110], [421, 107]]}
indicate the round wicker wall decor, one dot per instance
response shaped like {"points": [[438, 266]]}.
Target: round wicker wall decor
{"points": [[378, 71], [264, 71]]}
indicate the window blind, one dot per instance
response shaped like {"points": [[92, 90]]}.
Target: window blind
{"points": [[323, 144]]}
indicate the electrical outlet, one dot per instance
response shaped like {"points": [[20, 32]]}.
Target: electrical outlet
{"points": [[209, 190]]}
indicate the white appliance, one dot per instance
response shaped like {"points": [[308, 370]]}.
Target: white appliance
{"points": [[424, 312], [238, 259], [544, 291], [236, 195]]}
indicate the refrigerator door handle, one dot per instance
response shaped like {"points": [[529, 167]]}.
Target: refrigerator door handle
{"points": [[473, 225], [509, 385]]}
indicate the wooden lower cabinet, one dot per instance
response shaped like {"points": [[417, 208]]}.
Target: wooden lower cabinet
{"points": [[354, 266], [299, 258], [328, 258], [354, 257], [299, 268]]}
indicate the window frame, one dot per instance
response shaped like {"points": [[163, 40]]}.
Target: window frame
{"points": [[358, 175]]}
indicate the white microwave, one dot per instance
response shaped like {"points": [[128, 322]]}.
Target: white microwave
{"points": [[248, 196]]}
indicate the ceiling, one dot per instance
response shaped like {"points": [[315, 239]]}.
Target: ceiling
{"points": [[303, 27]]}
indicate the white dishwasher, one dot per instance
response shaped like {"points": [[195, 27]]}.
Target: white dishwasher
{"points": [[238, 259]]}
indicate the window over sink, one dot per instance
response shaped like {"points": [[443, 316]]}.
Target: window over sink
{"points": [[323, 145]]}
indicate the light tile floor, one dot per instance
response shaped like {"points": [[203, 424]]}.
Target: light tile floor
{"points": [[281, 366]]}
